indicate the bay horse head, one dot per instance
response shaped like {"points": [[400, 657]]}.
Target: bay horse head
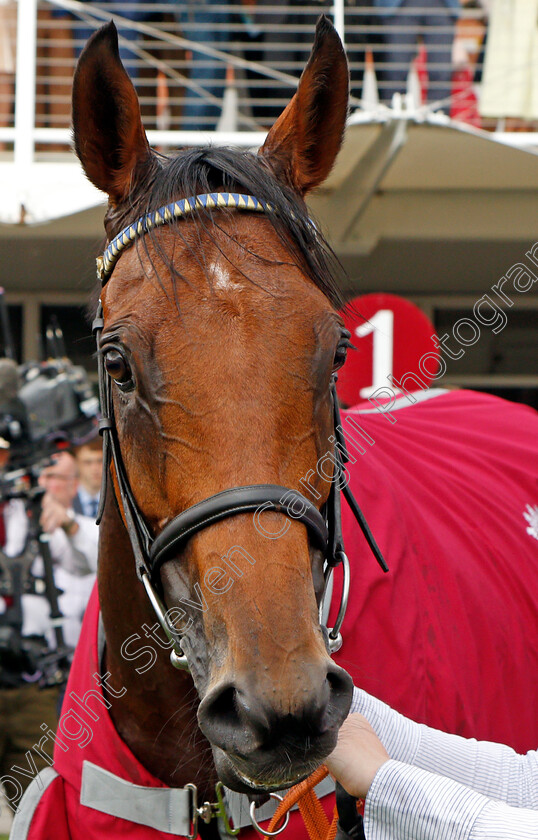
{"points": [[219, 339]]}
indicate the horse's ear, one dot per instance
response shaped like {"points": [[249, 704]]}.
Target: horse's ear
{"points": [[302, 145], [110, 140]]}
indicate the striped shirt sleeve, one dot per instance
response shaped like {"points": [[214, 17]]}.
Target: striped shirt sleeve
{"points": [[407, 803], [442, 787]]}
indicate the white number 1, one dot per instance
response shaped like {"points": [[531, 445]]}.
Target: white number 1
{"points": [[382, 326]]}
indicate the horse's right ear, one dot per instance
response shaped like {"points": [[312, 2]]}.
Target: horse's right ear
{"points": [[110, 140]]}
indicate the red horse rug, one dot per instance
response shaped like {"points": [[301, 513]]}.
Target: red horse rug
{"points": [[447, 481]]}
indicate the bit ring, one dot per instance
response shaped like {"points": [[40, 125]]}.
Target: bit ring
{"points": [[262, 831]]}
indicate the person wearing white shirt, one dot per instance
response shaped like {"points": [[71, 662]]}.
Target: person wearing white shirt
{"points": [[73, 536], [73, 540], [422, 784]]}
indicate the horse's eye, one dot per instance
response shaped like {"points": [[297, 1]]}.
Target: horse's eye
{"points": [[340, 355], [118, 368]]}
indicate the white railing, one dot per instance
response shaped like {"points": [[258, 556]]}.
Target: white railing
{"points": [[249, 59], [51, 33]]}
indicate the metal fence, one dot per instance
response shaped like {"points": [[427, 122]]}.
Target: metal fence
{"points": [[206, 66]]}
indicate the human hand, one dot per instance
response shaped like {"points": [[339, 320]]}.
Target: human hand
{"points": [[357, 757], [54, 515]]}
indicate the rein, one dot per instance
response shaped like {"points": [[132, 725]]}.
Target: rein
{"points": [[325, 527]]}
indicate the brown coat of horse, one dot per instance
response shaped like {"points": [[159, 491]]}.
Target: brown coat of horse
{"points": [[222, 335]]}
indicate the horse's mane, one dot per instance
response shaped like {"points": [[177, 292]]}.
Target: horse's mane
{"points": [[211, 169]]}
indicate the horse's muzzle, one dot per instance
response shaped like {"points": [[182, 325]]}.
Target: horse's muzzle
{"points": [[272, 737]]}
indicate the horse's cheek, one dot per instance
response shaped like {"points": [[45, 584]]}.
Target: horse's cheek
{"points": [[139, 441], [194, 645]]}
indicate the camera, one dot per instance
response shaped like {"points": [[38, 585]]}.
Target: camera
{"points": [[58, 399]]}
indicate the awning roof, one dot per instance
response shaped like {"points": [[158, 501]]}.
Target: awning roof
{"points": [[427, 180], [398, 179]]}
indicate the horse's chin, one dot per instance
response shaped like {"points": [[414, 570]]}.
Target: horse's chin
{"points": [[235, 778]]}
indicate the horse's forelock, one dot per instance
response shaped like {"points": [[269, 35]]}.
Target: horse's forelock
{"points": [[204, 170]]}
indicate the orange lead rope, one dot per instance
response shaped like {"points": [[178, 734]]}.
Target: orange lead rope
{"points": [[314, 817]]}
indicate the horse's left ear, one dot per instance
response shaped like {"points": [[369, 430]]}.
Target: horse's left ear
{"points": [[302, 145], [110, 140]]}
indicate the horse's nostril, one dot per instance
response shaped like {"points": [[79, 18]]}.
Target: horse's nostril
{"points": [[223, 706], [340, 683], [340, 695], [219, 708], [229, 721]]}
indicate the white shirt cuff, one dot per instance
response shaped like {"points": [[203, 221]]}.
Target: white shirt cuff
{"points": [[407, 803]]}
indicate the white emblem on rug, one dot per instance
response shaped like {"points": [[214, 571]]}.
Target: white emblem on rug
{"points": [[531, 515]]}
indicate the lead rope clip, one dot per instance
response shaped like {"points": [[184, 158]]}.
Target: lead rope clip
{"points": [[208, 811]]}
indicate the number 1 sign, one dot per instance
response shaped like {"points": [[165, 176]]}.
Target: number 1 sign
{"points": [[393, 339]]}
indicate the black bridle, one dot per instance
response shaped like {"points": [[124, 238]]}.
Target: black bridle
{"points": [[324, 527]]}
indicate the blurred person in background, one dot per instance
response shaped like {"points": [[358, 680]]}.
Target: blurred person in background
{"points": [[362, 36], [89, 459], [72, 536], [401, 23], [279, 35], [206, 22], [135, 11], [70, 33], [73, 546], [26, 631], [24, 706], [80, 30]]}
